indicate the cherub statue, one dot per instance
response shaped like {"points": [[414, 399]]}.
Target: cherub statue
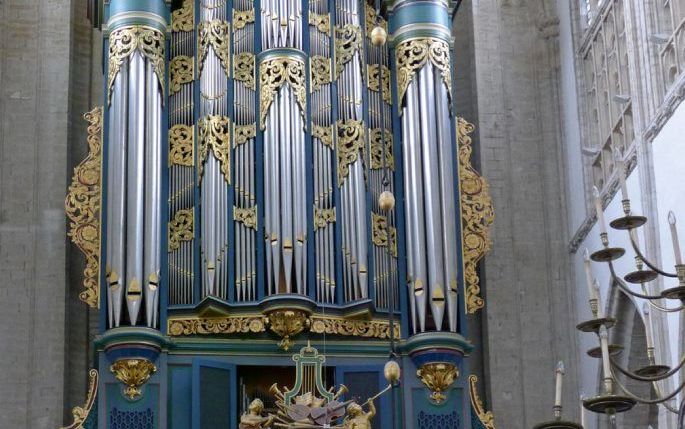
{"points": [[357, 418], [253, 419]]}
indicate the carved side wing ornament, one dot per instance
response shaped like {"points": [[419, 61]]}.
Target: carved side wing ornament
{"points": [[487, 420], [477, 215], [82, 207], [81, 413]]}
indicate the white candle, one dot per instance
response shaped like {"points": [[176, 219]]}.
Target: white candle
{"points": [[598, 297], [588, 276], [674, 238], [604, 345], [621, 169], [648, 325], [560, 377], [582, 411], [599, 210]]}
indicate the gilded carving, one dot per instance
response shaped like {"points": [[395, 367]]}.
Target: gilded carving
{"points": [[215, 137], [181, 71], [179, 327], [216, 34], [243, 133], [324, 134], [372, 20], [477, 215], [376, 149], [379, 230], [247, 217], [133, 373], [348, 41], [123, 42], [392, 243], [242, 17], [412, 55], [181, 228], [376, 79], [81, 413], [379, 329], [183, 19], [321, 22], [322, 217], [351, 142], [82, 207], [485, 417], [276, 72], [287, 324], [243, 69], [320, 69], [438, 377], [181, 145]]}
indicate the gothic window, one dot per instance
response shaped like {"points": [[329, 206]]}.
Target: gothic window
{"points": [[669, 36], [608, 98]]}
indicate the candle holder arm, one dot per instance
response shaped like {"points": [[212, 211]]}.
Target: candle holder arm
{"points": [[625, 288], [634, 376], [647, 262], [658, 400], [662, 308]]}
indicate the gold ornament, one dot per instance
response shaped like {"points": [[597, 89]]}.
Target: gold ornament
{"points": [[351, 142], [379, 230], [133, 373], [242, 17], [287, 324], [372, 21], [377, 150], [392, 372], [243, 69], [322, 217], [276, 72], [215, 137], [331, 325], [82, 207], [348, 42], [485, 417], [247, 217], [81, 413], [243, 324], [243, 133], [216, 34], [123, 42], [386, 201], [321, 22], [181, 228], [324, 134], [181, 71], [183, 19], [412, 55], [438, 377], [320, 70], [477, 215], [378, 36], [181, 145], [379, 75]]}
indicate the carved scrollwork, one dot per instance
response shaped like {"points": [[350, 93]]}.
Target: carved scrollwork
{"points": [[181, 228], [485, 417], [392, 243], [123, 42], [183, 19], [243, 68], [351, 142], [82, 207], [477, 215], [242, 17], [438, 377], [81, 413], [348, 41], [412, 55], [181, 71], [375, 80], [215, 137], [322, 217], [133, 374], [247, 217], [377, 149], [243, 133], [273, 74], [181, 145], [178, 327], [324, 134], [379, 230], [320, 69], [329, 325], [372, 20], [320, 22], [216, 34]]}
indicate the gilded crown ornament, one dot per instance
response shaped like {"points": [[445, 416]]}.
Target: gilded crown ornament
{"points": [[133, 373]]}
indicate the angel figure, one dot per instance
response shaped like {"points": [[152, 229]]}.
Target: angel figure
{"points": [[357, 418], [253, 419]]}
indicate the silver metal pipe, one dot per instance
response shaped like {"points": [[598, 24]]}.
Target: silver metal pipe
{"points": [[286, 195]]}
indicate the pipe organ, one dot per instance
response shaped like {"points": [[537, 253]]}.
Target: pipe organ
{"points": [[252, 153]]}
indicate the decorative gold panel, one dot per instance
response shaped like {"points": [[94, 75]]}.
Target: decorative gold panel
{"points": [[181, 228], [379, 230], [123, 42], [243, 133], [181, 70], [330, 325], [348, 41], [215, 137], [322, 217], [372, 20], [242, 17], [83, 205], [276, 72], [248, 217], [181, 145], [183, 19], [477, 215], [374, 77], [324, 134], [392, 236], [321, 22], [216, 34], [376, 147], [438, 377], [287, 324], [351, 142], [239, 324], [81, 413], [133, 373], [320, 69], [413, 54], [485, 417], [243, 69]]}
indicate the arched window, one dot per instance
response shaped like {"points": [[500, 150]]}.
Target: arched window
{"points": [[669, 37]]}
